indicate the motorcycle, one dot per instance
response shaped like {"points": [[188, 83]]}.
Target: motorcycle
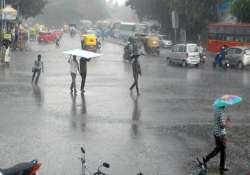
{"points": [[98, 44], [84, 165], [26, 168], [203, 57]]}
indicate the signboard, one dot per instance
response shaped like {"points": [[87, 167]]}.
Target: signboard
{"points": [[8, 16], [7, 36]]}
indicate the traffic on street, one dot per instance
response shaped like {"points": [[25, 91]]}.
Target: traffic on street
{"points": [[95, 96]]}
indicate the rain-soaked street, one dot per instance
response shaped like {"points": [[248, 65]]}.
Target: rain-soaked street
{"points": [[160, 132]]}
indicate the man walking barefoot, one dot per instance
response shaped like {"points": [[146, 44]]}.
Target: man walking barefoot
{"points": [[38, 67], [136, 67]]}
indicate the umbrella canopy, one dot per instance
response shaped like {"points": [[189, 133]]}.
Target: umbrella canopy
{"points": [[82, 53], [227, 100]]}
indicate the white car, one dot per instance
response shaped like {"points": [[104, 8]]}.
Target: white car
{"points": [[184, 54], [166, 44]]}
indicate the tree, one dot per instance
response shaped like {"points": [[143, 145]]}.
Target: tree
{"points": [[194, 15], [28, 8], [241, 9], [58, 12]]}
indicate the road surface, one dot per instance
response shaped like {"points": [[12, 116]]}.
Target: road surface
{"points": [[160, 132]]}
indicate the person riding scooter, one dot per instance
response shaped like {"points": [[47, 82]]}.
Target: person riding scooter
{"points": [[130, 49], [220, 58], [98, 43]]}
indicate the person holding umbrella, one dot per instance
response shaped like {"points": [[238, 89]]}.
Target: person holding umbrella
{"points": [[83, 72], [221, 123], [85, 56]]}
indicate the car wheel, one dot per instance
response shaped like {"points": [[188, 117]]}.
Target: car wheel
{"points": [[184, 63], [240, 65], [225, 66]]}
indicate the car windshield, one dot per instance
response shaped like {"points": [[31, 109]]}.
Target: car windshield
{"points": [[193, 48]]}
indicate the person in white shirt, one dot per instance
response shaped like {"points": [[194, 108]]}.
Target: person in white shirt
{"points": [[7, 55], [38, 67], [74, 67]]}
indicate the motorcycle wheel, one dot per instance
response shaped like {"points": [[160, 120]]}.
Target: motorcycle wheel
{"points": [[240, 66]]}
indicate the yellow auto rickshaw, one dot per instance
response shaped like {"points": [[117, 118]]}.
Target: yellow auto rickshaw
{"points": [[89, 42], [65, 28], [152, 45]]}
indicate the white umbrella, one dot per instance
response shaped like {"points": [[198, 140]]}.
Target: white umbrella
{"points": [[82, 53]]}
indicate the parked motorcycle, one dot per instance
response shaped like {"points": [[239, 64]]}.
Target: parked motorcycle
{"points": [[203, 57], [84, 165], [26, 168]]}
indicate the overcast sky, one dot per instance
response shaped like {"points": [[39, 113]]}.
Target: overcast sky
{"points": [[119, 1]]}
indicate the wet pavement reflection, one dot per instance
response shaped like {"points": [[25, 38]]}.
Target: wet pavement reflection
{"points": [[159, 132], [38, 95], [136, 114]]}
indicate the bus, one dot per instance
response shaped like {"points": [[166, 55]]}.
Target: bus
{"points": [[126, 30], [130, 29], [104, 25], [115, 29], [223, 34], [85, 25]]}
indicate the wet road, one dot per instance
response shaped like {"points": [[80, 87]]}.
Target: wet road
{"points": [[160, 132]]}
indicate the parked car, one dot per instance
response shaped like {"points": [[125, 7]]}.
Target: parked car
{"points": [[165, 43], [46, 37], [238, 56], [57, 34], [185, 54]]}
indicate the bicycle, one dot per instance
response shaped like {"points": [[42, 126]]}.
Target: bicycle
{"points": [[84, 165]]}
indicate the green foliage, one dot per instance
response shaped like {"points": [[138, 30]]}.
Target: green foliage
{"points": [[58, 12], [194, 15], [28, 8], [241, 9]]}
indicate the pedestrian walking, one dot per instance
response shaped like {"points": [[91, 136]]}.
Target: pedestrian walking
{"points": [[74, 67], [7, 57], [38, 67], [3, 52], [136, 72], [57, 42], [221, 122], [83, 72]]}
